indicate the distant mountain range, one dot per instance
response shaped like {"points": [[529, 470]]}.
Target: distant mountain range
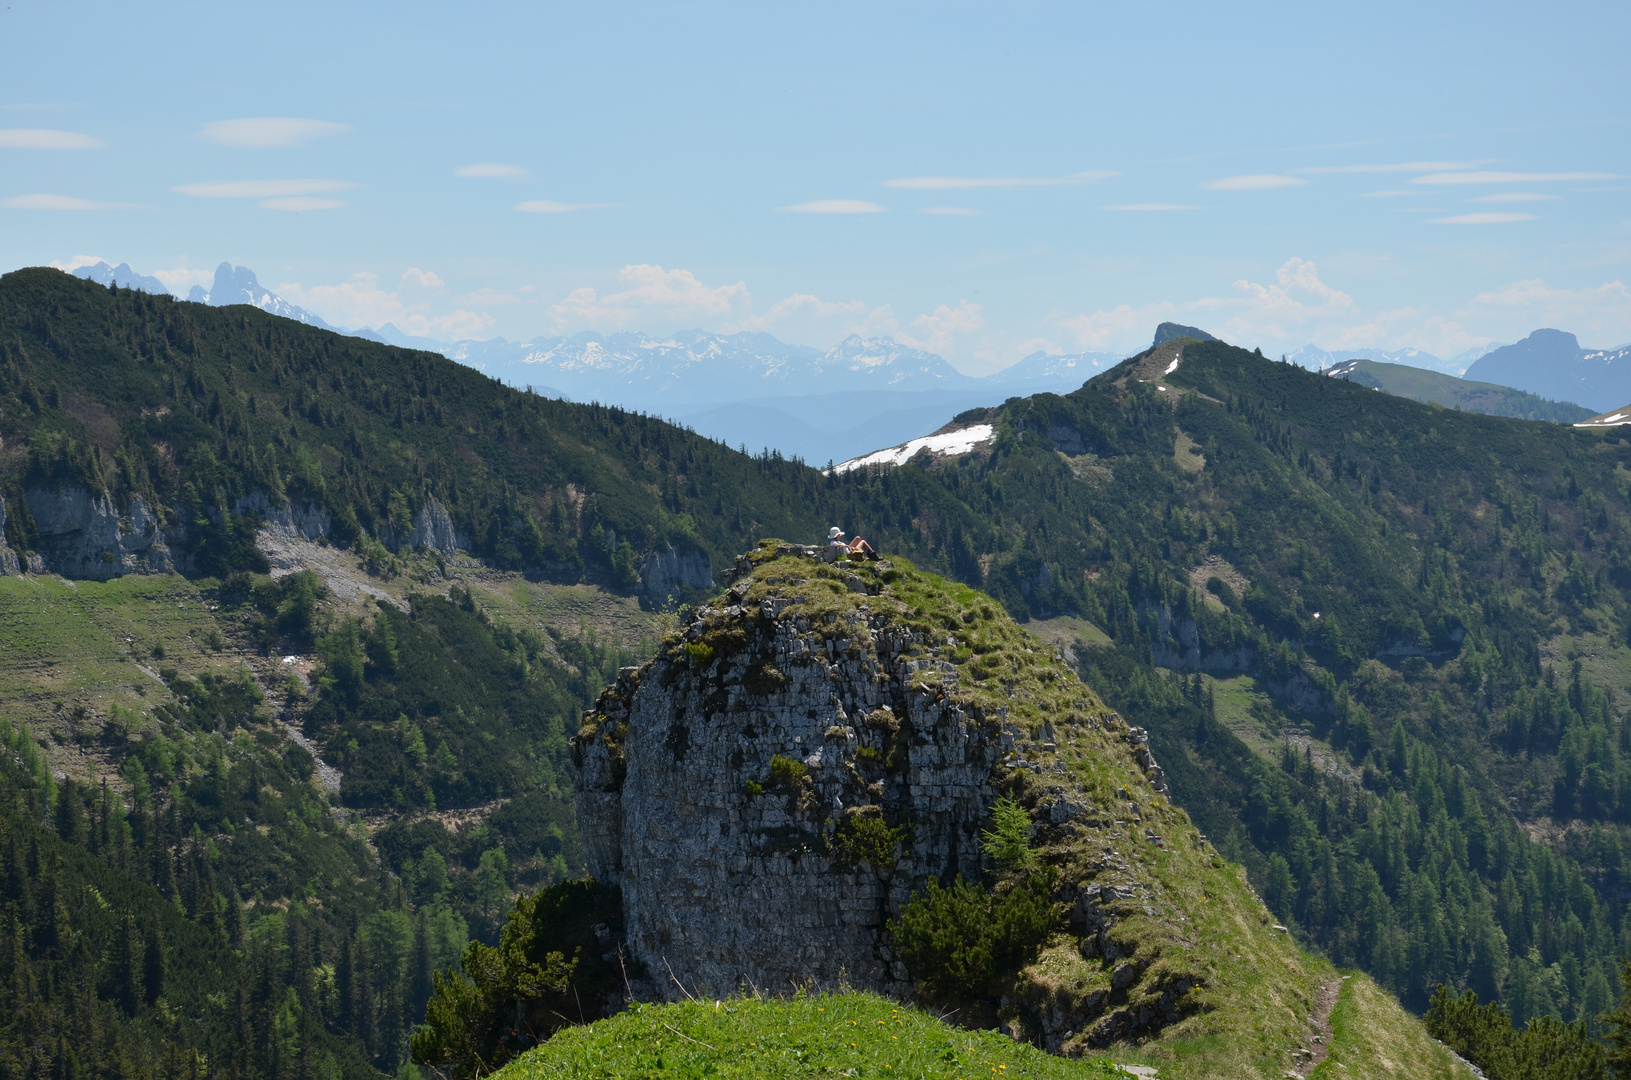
{"points": [[1551, 363], [232, 285], [698, 367], [122, 276], [756, 391]]}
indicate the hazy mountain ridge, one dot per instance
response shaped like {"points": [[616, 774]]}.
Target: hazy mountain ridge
{"points": [[122, 276], [1553, 364]]}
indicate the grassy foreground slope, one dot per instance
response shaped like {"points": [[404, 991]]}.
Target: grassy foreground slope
{"points": [[861, 1035]]}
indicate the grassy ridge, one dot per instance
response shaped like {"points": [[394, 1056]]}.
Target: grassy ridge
{"points": [[819, 1035], [862, 1035], [1436, 388]]}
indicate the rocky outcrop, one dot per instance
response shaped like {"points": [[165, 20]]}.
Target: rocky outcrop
{"points": [[712, 788], [1177, 643], [433, 528], [724, 787], [8, 558], [83, 535], [668, 574], [285, 520]]}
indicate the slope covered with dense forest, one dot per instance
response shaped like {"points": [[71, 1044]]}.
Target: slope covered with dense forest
{"points": [[1381, 647]]}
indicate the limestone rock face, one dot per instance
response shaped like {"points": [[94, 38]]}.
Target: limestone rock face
{"points": [[434, 528], [83, 535], [285, 520], [807, 752], [8, 557], [666, 572], [717, 785]]}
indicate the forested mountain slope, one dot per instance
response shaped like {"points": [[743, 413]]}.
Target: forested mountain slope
{"points": [[195, 409], [1414, 617], [1380, 646]]}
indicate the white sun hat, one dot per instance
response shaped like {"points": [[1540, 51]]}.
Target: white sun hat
{"points": [[834, 533]]}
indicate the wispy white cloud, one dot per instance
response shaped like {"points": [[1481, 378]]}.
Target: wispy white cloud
{"points": [[181, 279], [1297, 298], [1484, 218], [297, 203], [360, 301], [1119, 327], [491, 171], [45, 139], [550, 206], [652, 292], [60, 202], [1515, 197], [1297, 302], [952, 211], [1389, 194], [1443, 178], [1149, 207], [958, 183], [1254, 182], [1599, 316], [940, 330], [803, 311], [835, 206], [1299, 307], [1395, 167], [262, 189], [269, 132]]}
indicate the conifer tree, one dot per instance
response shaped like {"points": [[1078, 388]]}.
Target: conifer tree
{"points": [[1617, 1025]]}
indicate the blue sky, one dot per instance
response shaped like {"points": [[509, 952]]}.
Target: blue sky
{"points": [[981, 180]]}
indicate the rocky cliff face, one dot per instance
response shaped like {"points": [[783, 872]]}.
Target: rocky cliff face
{"points": [[310, 522], [717, 808], [667, 573], [721, 787], [9, 563], [83, 535]]}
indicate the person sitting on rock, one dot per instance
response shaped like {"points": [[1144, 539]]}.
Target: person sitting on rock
{"points": [[856, 548]]}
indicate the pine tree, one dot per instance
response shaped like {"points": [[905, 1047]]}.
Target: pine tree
{"points": [[153, 964], [1617, 1022], [125, 966]]}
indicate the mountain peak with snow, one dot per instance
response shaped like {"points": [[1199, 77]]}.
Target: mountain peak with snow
{"points": [[238, 285], [885, 362]]}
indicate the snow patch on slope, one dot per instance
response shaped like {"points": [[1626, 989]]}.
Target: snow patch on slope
{"points": [[945, 444]]}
